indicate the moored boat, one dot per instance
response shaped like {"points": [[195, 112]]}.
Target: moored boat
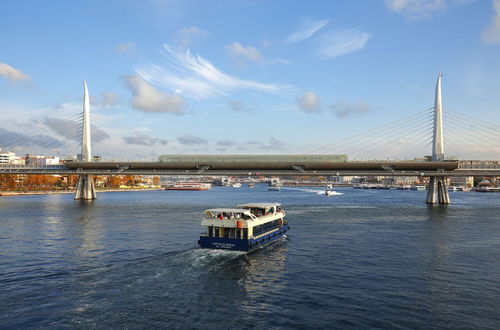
{"points": [[188, 186], [244, 228]]}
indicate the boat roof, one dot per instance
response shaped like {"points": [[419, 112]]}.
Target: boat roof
{"points": [[227, 210], [259, 205]]}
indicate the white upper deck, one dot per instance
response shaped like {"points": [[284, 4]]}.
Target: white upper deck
{"points": [[215, 212], [258, 205]]}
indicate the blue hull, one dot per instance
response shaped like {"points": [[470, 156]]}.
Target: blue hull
{"points": [[236, 244]]}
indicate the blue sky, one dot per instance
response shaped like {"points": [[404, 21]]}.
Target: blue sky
{"points": [[237, 77]]}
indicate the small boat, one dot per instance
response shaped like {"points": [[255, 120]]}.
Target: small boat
{"points": [[236, 185], [275, 188], [244, 228], [330, 192], [251, 185], [188, 186]]}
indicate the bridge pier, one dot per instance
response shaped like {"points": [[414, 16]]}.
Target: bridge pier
{"points": [[85, 188], [437, 191]]}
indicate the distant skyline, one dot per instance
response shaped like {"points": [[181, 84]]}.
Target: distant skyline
{"points": [[237, 77]]}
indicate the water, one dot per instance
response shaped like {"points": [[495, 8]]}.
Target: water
{"points": [[367, 258]]}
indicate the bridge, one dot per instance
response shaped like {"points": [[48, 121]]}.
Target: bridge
{"points": [[437, 169]]}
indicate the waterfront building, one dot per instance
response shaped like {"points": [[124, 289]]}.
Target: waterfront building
{"points": [[6, 157], [462, 181]]}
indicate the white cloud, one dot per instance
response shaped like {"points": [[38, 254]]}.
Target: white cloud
{"points": [[239, 51], [492, 34], [309, 102], [195, 77], [306, 30], [187, 36], [12, 73], [105, 100], [125, 47], [340, 42], [416, 9], [148, 99]]}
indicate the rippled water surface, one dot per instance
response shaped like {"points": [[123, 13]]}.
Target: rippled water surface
{"points": [[378, 259]]}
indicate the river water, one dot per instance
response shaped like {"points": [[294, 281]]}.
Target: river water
{"points": [[364, 259]]}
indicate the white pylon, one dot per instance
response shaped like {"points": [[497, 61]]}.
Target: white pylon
{"points": [[85, 188], [86, 149], [437, 141], [437, 190]]}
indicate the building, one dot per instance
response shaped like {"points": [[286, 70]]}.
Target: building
{"points": [[6, 157], [48, 161]]}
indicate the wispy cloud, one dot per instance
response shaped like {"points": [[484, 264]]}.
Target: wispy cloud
{"points": [[423, 9], [188, 36], [125, 47], [343, 109], [309, 102], [416, 9], [492, 34], [238, 106], [306, 30], [225, 143], [340, 42], [189, 140], [12, 73], [272, 144], [238, 51], [104, 100], [147, 98], [143, 140], [71, 130], [13, 140], [195, 77]]}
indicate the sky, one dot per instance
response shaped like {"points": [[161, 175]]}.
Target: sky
{"points": [[234, 76]]}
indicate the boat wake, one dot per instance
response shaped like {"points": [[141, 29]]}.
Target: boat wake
{"points": [[330, 193], [313, 191]]}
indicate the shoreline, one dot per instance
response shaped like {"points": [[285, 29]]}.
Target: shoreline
{"points": [[54, 192]]}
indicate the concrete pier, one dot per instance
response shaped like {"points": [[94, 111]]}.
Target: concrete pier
{"points": [[85, 188], [437, 191]]}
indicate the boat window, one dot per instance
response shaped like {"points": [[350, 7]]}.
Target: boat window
{"points": [[245, 233], [216, 231], [257, 230], [210, 231]]}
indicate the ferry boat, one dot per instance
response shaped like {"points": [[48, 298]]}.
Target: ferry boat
{"points": [[188, 186], [244, 228]]}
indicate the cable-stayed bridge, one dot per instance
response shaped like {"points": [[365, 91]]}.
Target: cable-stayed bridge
{"points": [[416, 134]]}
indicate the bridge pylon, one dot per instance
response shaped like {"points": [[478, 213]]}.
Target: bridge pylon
{"points": [[85, 188], [437, 190]]}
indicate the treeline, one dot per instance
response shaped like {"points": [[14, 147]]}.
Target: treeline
{"points": [[56, 182]]}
